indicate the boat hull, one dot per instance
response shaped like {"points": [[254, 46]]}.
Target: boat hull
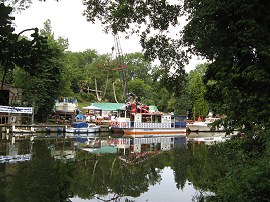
{"points": [[153, 132], [82, 127], [206, 134], [66, 107], [82, 130], [202, 128]]}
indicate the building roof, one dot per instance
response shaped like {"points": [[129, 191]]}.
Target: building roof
{"points": [[108, 106], [153, 108]]}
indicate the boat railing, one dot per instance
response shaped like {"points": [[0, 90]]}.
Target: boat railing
{"points": [[132, 124], [152, 125]]}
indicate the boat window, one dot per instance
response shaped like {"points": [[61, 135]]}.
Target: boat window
{"points": [[146, 118], [128, 114], [122, 114], [156, 119]]}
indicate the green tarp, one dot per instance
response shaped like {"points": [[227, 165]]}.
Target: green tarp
{"points": [[107, 106]]}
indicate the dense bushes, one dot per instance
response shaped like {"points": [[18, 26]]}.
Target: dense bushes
{"points": [[246, 169]]}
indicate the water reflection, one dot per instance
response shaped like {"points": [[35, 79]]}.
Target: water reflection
{"points": [[74, 168], [164, 190]]}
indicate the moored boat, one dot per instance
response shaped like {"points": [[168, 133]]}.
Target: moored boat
{"points": [[82, 127], [22, 129], [137, 121], [204, 126], [206, 129]]}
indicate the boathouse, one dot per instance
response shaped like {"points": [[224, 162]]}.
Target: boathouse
{"points": [[10, 99], [10, 95]]}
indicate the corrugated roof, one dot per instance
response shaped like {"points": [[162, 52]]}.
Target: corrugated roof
{"points": [[108, 106]]}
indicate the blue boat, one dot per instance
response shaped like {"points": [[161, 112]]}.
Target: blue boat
{"points": [[82, 127]]}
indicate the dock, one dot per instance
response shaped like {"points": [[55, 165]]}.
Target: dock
{"points": [[41, 128]]}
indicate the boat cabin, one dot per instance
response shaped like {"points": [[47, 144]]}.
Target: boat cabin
{"points": [[141, 118], [79, 125]]}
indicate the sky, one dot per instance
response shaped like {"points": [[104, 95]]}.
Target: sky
{"points": [[67, 21]]}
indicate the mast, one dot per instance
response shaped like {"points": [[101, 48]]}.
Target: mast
{"points": [[116, 64], [120, 61]]}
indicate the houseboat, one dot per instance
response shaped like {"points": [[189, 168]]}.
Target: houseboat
{"points": [[137, 121]]}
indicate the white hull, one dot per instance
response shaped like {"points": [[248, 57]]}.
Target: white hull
{"points": [[82, 127], [209, 140], [210, 134], [22, 130], [206, 134], [201, 128], [82, 130]]}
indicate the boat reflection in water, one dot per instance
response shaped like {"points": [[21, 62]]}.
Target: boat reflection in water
{"points": [[95, 168]]}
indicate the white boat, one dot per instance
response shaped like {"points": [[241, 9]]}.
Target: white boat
{"points": [[136, 121], [203, 130], [204, 126], [15, 129], [66, 105], [82, 127]]}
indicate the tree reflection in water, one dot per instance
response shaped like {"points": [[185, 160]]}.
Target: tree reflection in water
{"points": [[39, 179], [106, 177]]}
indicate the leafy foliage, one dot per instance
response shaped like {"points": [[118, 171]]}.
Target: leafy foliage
{"points": [[234, 35], [151, 21], [42, 65], [197, 90], [243, 169], [39, 60], [7, 42]]}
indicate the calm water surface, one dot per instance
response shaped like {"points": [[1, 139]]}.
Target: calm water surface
{"points": [[53, 167], [165, 190]]}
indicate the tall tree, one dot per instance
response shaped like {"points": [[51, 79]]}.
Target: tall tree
{"points": [[40, 63], [35, 57], [234, 35], [8, 41], [197, 91], [152, 20]]}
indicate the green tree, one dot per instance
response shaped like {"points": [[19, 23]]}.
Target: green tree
{"points": [[81, 68], [233, 35], [230, 34], [140, 89], [153, 19], [137, 67], [42, 70], [38, 58], [197, 90], [8, 42]]}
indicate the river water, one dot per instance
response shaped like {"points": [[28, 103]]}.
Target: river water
{"points": [[84, 168]]}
